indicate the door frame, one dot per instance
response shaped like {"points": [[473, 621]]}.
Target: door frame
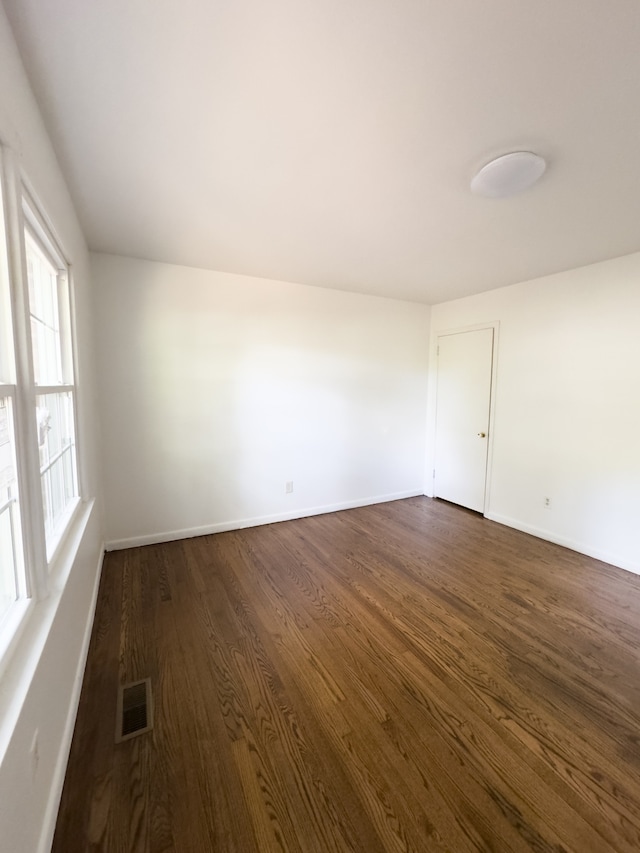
{"points": [[433, 395]]}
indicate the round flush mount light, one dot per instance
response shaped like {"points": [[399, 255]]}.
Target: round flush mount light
{"points": [[508, 175]]}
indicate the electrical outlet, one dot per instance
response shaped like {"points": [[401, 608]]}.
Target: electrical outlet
{"points": [[288, 487], [547, 503]]}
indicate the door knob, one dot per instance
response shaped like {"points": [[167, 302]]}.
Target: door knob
{"points": [[482, 434]]}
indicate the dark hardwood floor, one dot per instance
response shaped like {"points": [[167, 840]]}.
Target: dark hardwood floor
{"points": [[403, 677]]}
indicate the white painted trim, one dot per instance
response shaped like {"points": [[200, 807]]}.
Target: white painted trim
{"points": [[26, 439], [62, 530], [239, 524], [55, 792], [580, 547], [11, 629], [492, 411], [21, 664]]}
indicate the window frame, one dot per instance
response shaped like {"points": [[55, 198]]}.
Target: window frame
{"points": [[40, 232], [10, 505], [21, 212]]}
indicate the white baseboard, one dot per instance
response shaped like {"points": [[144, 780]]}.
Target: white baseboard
{"points": [[580, 547], [53, 804], [240, 524]]}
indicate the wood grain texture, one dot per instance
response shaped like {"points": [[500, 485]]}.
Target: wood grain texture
{"points": [[402, 677]]}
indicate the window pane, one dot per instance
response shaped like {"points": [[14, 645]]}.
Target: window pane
{"points": [[56, 440], [8, 591], [7, 372], [45, 321], [9, 527]]}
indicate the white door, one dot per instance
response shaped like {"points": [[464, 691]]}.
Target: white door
{"points": [[463, 403]]}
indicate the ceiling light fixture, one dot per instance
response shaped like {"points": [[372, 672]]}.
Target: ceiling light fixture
{"points": [[508, 175]]}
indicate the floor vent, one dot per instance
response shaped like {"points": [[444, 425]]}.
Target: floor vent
{"points": [[135, 710]]}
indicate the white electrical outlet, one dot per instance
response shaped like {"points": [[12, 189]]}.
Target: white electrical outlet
{"points": [[547, 503], [288, 487]]}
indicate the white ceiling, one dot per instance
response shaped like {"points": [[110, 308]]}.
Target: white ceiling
{"points": [[332, 142]]}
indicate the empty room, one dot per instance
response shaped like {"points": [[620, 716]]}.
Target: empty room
{"points": [[319, 426]]}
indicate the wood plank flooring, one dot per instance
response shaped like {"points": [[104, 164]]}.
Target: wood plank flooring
{"points": [[402, 677]]}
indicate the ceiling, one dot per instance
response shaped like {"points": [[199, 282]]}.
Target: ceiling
{"points": [[332, 143]]}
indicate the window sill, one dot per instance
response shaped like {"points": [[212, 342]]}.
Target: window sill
{"points": [[11, 628], [62, 531], [27, 626]]}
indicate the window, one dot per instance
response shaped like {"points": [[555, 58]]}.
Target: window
{"points": [[11, 562], [53, 375], [39, 489]]}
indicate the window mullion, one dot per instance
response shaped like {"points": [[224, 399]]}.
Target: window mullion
{"points": [[28, 464], [53, 389]]}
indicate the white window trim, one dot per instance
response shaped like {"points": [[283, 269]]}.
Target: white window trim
{"points": [[26, 439], [8, 392], [43, 561], [42, 233]]}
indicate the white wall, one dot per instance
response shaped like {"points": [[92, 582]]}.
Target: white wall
{"points": [[567, 415], [39, 688], [218, 389]]}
